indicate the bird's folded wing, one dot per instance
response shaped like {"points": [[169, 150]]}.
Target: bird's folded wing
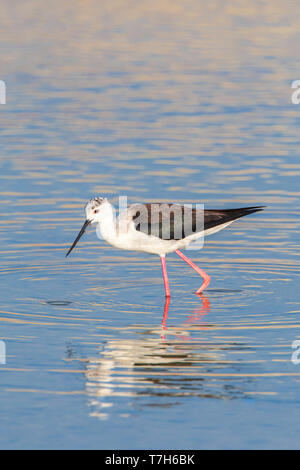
{"points": [[175, 222]]}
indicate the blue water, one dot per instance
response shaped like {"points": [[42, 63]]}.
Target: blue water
{"points": [[155, 101]]}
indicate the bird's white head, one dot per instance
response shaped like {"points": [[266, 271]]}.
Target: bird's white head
{"points": [[94, 211]]}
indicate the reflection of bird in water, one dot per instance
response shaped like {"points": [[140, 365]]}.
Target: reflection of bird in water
{"points": [[151, 366], [197, 316], [161, 370], [158, 228], [154, 366]]}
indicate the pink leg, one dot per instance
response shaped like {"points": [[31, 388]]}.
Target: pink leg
{"points": [[165, 316], [205, 277], [166, 282]]}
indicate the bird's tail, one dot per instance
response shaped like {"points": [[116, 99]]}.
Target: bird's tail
{"points": [[212, 218]]}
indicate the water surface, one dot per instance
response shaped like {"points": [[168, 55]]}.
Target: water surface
{"points": [[170, 102]]}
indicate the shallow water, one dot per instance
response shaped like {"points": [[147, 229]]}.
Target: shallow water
{"points": [[159, 102]]}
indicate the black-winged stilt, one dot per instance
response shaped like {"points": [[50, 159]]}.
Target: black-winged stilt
{"points": [[158, 228]]}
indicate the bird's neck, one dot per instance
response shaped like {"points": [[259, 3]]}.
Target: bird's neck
{"points": [[106, 227]]}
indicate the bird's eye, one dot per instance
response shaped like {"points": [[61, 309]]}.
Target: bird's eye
{"points": [[95, 211]]}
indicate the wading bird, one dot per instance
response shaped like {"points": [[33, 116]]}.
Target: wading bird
{"points": [[158, 228]]}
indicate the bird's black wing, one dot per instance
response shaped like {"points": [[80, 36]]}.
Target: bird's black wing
{"points": [[175, 222]]}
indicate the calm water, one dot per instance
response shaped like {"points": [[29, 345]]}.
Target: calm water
{"points": [[164, 101]]}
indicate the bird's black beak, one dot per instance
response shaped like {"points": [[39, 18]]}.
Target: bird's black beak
{"points": [[85, 225]]}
